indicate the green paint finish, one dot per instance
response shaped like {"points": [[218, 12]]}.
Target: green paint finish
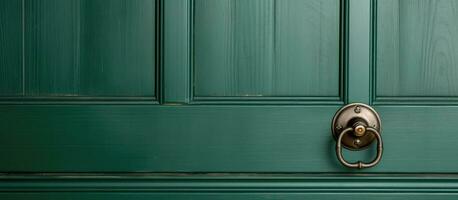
{"points": [[227, 187], [358, 51], [176, 51], [231, 183], [266, 48], [417, 48], [225, 196], [11, 47], [134, 138], [81, 48], [223, 50]]}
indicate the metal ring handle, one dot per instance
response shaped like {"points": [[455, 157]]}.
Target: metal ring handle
{"points": [[360, 164]]}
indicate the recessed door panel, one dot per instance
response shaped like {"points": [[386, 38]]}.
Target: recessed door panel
{"points": [[266, 48], [79, 48], [417, 48]]}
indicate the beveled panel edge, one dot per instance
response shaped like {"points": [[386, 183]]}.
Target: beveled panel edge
{"points": [[277, 100], [155, 99], [373, 52]]}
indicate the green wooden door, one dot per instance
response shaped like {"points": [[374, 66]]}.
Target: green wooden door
{"points": [[224, 99]]}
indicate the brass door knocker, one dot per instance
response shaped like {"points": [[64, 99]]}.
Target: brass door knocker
{"points": [[356, 126]]}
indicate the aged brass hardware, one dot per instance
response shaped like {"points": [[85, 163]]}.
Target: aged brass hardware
{"points": [[355, 127]]}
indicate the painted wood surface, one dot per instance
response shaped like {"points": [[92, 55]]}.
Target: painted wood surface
{"points": [[226, 196], [417, 48], [271, 48], [176, 52], [228, 187], [357, 51], [11, 63], [266, 48], [135, 138], [69, 48]]}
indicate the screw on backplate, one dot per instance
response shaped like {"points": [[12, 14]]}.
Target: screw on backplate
{"points": [[338, 127], [357, 142], [357, 109], [374, 126]]}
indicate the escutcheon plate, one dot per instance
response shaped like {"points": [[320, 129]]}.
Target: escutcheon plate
{"points": [[347, 116]]}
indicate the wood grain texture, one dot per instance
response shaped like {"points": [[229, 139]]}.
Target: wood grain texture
{"points": [[11, 48], [357, 54], [146, 138], [417, 48], [266, 48], [90, 47], [176, 51], [164, 138]]}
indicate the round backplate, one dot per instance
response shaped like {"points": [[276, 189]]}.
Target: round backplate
{"points": [[346, 116]]}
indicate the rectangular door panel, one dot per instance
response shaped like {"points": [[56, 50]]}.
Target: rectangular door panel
{"points": [[266, 48], [135, 138], [417, 49], [80, 48]]}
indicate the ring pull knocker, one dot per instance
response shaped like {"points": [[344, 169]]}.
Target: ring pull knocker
{"points": [[359, 164], [355, 127]]}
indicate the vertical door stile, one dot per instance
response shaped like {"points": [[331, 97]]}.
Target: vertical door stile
{"points": [[176, 51], [358, 71]]}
